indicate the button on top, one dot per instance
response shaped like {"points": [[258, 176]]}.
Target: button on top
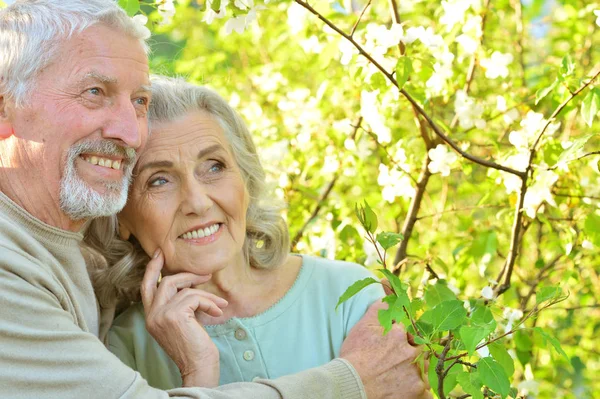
{"points": [[248, 355], [258, 377], [240, 334]]}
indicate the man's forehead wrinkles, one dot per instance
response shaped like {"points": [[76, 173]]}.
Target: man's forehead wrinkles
{"points": [[97, 76]]}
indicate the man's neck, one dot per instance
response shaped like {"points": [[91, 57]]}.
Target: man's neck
{"points": [[33, 195]]}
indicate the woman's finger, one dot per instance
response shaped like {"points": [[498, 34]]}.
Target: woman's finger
{"points": [[195, 301], [151, 275], [170, 285]]}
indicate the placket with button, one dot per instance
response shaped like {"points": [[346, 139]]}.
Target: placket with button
{"points": [[247, 354]]}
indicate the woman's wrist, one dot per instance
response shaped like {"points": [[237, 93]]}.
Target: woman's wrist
{"points": [[203, 374]]}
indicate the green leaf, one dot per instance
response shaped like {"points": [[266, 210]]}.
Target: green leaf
{"points": [[370, 219], [438, 293], [592, 228], [548, 293], [421, 341], [216, 6], [493, 375], [523, 340], [471, 336], [447, 315], [501, 355], [485, 243], [553, 341], [575, 150], [482, 317], [523, 356], [398, 286], [403, 70], [541, 93], [471, 384], [388, 240], [355, 289], [395, 312], [590, 106], [567, 67], [131, 7]]}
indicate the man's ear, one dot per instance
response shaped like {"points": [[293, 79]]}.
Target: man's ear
{"points": [[6, 128], [124, 231]]}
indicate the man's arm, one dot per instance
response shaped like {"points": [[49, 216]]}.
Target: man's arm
{"points": [[44, 354]]}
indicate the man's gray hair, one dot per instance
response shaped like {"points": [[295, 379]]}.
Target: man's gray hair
{"points": [[267, 242], [31, 32]]}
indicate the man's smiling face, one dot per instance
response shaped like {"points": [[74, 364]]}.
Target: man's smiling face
{"points": [[84, 120]]}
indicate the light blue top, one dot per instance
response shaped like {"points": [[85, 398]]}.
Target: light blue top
{"points": [[302, 330]]}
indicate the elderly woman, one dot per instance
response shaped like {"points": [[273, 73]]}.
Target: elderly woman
{"points": [[199, 200]]}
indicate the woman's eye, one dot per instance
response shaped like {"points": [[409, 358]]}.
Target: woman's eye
{"points": [[159, 181], [217, 167]]}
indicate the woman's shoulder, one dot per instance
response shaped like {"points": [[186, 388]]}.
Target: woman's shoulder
{"points": [[131, 317], [342, 271]]}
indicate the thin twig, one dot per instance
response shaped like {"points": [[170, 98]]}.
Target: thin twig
{"points": [[413, 210], [323, 196], [589, 154], [519, 46], [468, 208], [439, 367], [359, 18], [559, 109]]}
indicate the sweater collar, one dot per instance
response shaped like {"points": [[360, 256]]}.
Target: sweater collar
{"points": [[42, 231]]}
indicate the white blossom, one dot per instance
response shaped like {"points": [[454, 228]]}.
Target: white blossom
{"points": [[531, 126], [141, 20], [311, 45], [425, 36], [453, 12], [297, 17], [377, 35], [166, 10], [487, 293], [371, 252], [442, 72], [586, 244], [210, 15], [467, 111], [369, 109], [395, 183], [441, 160], [597, 14], [497, 65], [511, 315], [241, 22], [528, 388], [540, 191], [483, 351], [331, 164]]}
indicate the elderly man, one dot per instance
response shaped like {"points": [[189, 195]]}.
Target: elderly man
{"points": [[73, 90]]}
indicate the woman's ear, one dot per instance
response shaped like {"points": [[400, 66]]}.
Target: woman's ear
{"points": [[124, 231], [6, 129]]}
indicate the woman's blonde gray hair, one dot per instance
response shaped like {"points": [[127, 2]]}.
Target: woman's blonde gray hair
{"points": [[267, 238], [32, 31]]}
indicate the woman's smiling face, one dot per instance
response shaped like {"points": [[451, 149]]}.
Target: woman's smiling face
{"points": [[188, 197]]}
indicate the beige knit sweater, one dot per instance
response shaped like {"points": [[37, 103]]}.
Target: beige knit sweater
{"points": [[49, 328]]}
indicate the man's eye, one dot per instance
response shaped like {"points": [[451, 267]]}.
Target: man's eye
{"points": [[141, 101], [95, 91]]}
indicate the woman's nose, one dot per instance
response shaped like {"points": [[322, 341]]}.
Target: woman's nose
{"points": [[196, 199]]}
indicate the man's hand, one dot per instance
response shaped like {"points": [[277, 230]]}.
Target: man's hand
{"points": [[386, 364], [171, 319]]}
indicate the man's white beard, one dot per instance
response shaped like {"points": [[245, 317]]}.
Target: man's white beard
{"points": [[80, 201]]}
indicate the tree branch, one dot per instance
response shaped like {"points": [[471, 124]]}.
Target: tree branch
{"points": [[415, 104], [323, 197]]}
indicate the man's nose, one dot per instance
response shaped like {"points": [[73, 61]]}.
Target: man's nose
{"points": [[125, 125]]}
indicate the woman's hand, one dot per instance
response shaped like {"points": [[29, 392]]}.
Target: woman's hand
{"points": [[171, 319]]}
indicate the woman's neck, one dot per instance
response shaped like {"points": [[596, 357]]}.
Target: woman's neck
{"points": [[250, 291]]}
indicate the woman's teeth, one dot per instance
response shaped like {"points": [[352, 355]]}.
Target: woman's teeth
{"points": [[201, 233], [107, 163]]}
